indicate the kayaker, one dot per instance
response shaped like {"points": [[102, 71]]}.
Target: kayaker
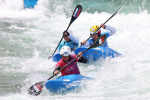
{"points": [[69, 40], [72, 68], [93, 29]]}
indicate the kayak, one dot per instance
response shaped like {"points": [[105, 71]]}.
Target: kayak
{"points": [[65, 83], [56, 57], [93, 54], [96, 53], [30, 3]]}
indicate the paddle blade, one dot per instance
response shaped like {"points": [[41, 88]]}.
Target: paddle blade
{"points": [[102, 39], [99, 41], [36, 89], [76, 13]]}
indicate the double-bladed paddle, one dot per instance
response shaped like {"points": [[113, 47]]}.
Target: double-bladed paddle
{"points": [[37, 88], [75, 15]]}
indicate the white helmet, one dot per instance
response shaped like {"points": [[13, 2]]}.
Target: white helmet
{"points": [[65, 51], [70, 31]]}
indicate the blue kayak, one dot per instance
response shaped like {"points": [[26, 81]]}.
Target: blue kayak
{"points": [[96, 53], [56, 57], [92, 54], [65, 83]]}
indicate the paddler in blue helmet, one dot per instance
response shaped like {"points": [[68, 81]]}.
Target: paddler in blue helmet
{"points": [[69, 40], [93, 29]]}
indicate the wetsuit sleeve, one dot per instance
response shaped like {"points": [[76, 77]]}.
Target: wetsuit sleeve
{"points": [[86, 45], [89, 43], [57, 68], [74, 39], [111, 29], [82, 60]]}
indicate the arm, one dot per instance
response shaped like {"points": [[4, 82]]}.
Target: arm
{"points": [[81, 59], [87, 43], [74, 39], [111, 29], [56, 70]]}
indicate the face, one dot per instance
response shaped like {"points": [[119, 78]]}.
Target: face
{"points": [[95, 37], [65, 58], [66, 38]]}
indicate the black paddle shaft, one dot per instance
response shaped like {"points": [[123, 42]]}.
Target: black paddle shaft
{"points": [[101, 40], [105, 22]]}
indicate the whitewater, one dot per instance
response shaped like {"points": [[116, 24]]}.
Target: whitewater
{"points": [[29, 36]]}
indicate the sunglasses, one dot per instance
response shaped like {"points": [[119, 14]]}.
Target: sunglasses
{"points": [[93, 34], [65, 35]]}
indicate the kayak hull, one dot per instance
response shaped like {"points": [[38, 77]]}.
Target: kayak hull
{"points": [[96, 53], [65, 83], [92, 54]]}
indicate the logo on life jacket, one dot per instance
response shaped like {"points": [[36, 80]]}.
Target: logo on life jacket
{"points": [[70, 69]]}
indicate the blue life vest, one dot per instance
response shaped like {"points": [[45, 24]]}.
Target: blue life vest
{"points": [[70, 44], [105, 44]]}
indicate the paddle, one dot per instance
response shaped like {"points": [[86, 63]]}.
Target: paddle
{"points": [[75, 15], [37, 88], [104, 23]]}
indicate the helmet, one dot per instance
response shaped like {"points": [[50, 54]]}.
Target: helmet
{"points": [[70, 31], [65, 51], [94, 29]]}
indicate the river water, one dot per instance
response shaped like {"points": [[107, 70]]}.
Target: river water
{"points": [[28, 37]]}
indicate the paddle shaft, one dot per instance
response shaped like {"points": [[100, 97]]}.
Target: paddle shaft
{"points": [[105, 22], [92, 46], [61, 39], [68, 64], [74, 17]]}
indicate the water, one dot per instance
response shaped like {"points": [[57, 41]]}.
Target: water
{"points": [[29, 36]]}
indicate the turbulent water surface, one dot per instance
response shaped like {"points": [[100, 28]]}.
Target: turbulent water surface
{"points": [[28, 37]]}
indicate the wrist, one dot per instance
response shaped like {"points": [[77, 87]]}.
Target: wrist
{"points": [[68, 34], [104, 26]]}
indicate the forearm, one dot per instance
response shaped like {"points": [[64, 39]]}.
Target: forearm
{"points": [[74, 39], [111, 29], [57, 68], [82, 60]]}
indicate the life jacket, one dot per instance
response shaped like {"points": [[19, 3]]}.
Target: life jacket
{"points": [[105, 44], [71, 68], [70, 44]]}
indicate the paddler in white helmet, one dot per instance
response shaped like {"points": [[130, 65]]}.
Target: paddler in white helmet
{"points": [[67, 56], [110, 32], [69, 40]]}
